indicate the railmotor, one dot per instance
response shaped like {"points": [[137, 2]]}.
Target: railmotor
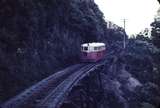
{"points": [[92, 52]]}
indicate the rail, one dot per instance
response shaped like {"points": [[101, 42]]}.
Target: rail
{"points": [[56, 97], [51, 92], [40, 90]]}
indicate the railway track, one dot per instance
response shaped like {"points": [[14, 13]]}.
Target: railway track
{"points": [[56, 97], [50, 92], [32, 96]]}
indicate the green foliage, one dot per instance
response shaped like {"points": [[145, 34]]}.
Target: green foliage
{"points": [[142, 38], [155, 34], [39, 37]]}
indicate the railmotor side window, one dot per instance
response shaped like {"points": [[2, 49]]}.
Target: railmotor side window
{"points": [[95, 48], [85, 48]]}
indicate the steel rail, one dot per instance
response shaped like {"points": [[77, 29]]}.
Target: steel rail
{"points": [[55, 99], [28, 97]]}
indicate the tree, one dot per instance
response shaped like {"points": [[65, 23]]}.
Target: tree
{"points": [[155, 33]]}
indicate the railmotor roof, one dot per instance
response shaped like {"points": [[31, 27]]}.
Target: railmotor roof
{"points": [[93, 44]]}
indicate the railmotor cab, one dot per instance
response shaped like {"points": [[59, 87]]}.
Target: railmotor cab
{"points": [[92, 52]]}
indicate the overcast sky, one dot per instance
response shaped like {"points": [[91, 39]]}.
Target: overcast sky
{"points": [[139, 13]]}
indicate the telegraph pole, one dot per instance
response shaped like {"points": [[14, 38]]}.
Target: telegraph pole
{"points": [[124, 37]]}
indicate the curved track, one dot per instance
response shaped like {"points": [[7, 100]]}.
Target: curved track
{"points": [[56, 97], [30, 97], [50, 92]]}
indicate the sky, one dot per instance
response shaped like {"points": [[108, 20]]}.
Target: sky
{"points": [[138, 13]]}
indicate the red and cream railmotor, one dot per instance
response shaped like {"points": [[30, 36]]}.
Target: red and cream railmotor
{"points": [[92, 52]]}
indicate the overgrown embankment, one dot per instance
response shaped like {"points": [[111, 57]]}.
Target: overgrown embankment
{"points": [[39, 37]]}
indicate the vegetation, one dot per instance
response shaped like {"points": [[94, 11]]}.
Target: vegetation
{"points": [[132, 79], [39, 37], [156, 33]]}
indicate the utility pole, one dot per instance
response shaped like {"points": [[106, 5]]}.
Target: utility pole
{"points": [[124, 37]]}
